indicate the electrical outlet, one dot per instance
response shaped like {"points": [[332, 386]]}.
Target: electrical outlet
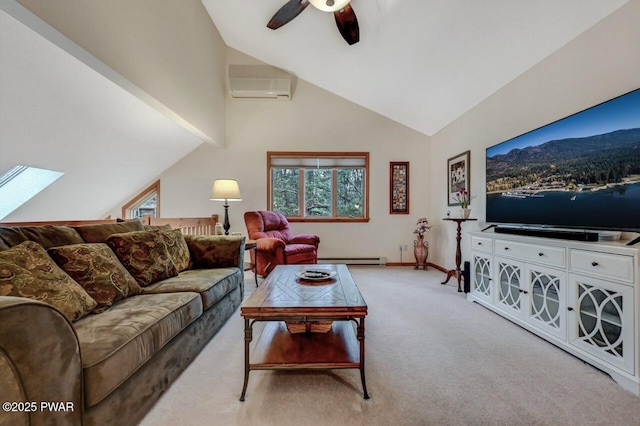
{"points": [[405, 247], [400, 247]]}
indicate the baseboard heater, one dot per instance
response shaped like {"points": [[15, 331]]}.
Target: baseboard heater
{"points": [[355, 260]]}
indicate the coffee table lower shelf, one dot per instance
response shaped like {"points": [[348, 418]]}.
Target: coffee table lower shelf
{"points": [[278, 349]]}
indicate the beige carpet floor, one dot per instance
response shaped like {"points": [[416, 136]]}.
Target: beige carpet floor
{"points": [[432, 359]]}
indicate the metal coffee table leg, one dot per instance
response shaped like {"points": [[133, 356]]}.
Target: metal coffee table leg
{"points": [[248, 336], [360, 336]]}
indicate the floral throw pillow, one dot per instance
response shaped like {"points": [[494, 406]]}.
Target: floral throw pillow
{"points": [[144, 254], [97, 269], [178, 249], [26, 270]]}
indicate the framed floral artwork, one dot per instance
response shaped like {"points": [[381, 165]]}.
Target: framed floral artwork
{"points": [[399, 187], [458, 176]]}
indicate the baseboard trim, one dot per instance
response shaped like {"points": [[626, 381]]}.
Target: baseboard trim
{"points": [[438, 267], [412, 264]]}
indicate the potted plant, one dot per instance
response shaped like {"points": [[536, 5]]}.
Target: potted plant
{"points": [[464, 198]]}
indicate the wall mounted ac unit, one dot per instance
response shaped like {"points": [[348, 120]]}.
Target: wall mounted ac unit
{"points": [[260, 88]]}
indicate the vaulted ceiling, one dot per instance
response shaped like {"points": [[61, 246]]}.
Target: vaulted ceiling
{"points": [[422, 63]]}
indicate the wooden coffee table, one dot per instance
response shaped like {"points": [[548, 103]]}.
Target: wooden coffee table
{"points": [[284, 297]]}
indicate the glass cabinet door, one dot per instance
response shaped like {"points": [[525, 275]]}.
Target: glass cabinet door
{"points": [[508, 280], [546, 300], [481, 279], [601, 320]]}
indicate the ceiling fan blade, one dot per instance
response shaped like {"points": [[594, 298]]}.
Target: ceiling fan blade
{"points": [[290, 10], [348, 24]]}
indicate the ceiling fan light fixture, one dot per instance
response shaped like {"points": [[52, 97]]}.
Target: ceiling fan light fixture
{"points": [[330, 5]]}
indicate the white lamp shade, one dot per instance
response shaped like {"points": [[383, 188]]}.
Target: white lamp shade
{"points": [[329, 5], [225, 190]]}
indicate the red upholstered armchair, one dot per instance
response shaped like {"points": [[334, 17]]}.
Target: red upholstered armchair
{"points": [[275, 244]]}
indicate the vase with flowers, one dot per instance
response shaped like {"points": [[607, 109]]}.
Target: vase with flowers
{"points": [[420, 246], [463, 197]]}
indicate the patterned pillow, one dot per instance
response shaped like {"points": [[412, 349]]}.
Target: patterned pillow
{"points": [[144, 254], [178, 250], [97, 269], [26, 270]]}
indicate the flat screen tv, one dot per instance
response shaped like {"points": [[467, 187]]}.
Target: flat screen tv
{"points": [[582, 171]]}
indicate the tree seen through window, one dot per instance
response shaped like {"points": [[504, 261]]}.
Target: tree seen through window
{"points": [[319, 185]]}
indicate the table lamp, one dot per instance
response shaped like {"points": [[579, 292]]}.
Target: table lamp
{"points": [[226, 190]]}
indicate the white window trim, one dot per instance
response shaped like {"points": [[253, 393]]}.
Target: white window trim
{"points": [[141, 197]]}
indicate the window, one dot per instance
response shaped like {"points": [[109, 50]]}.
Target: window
{"points": [[20, 184], [145, 203], [319, 186]]}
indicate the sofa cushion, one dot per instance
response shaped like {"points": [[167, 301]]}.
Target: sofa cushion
{"points": [[144, 254], [209, 251], [177, 247], [157, 227], [46, 235], [97, 269], [26, 270], [115, 343], [99, 233], [211, 284]]}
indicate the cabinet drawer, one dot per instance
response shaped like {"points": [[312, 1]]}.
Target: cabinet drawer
{"points": [[546, 255], [613, 266], [480, 243]]}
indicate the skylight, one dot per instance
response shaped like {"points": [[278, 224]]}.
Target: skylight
{"points": [[20, 184]]}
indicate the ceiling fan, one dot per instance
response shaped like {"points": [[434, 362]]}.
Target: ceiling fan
{"points": [[342, 11]]}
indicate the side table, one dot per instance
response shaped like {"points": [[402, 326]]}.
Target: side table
{"points": [[252, 245], [457, 272]]}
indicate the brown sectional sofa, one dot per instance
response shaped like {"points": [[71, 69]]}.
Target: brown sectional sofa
{"points": [[113, 363]]}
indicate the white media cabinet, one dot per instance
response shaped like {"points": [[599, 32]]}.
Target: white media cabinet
{"points": [[580, 296]]}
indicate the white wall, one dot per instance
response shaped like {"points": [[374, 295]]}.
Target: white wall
{"points": [[169, 49], [58, 113], [62, 108], [314, 120], [600, 64]]}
